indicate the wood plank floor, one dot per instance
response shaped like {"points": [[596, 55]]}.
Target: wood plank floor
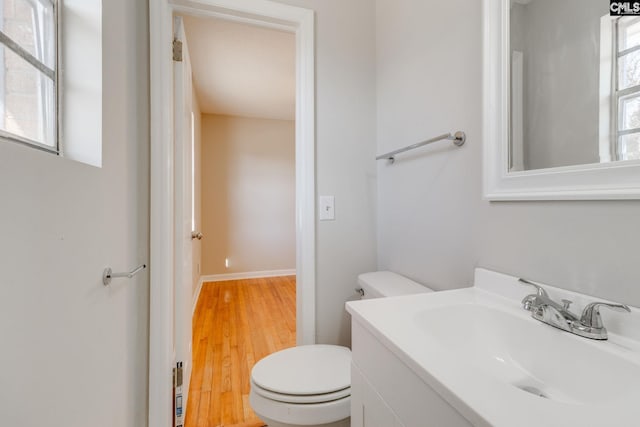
{"points": [[236, 323]]}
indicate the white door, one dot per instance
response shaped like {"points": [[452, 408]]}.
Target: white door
{"points": [[183, 126]]}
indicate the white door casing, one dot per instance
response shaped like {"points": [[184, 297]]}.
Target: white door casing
{"points": [[163, 249], [183, 108]]}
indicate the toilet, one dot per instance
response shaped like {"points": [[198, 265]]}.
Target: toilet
{"points": [[310, 385]]}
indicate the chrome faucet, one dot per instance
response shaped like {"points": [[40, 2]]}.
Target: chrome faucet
{"points": [[588, 325]]}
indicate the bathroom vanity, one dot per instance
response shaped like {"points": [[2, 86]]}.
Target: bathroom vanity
{"points": [[476, 357], [386, 392]]}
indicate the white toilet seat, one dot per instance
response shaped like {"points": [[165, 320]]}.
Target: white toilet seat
{"points": [[296, 398], [305, 370], [306, 385]]}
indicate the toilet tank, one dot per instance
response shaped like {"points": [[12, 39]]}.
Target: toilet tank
{"points": [[381, 284]]}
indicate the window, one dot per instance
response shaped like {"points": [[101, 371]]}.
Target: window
{"points": [[626, 99], [28, 77]]}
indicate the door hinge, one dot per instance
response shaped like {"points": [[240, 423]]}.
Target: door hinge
{"points": [[178, 408], [177, 50]]}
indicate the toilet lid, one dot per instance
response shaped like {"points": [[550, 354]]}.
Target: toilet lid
{"points": [[305, 370]]}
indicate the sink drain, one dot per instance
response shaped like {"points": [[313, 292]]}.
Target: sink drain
{"points": [[533, 390]]}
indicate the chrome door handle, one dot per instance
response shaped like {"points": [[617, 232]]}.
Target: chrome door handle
{"points": [[196, 235]]}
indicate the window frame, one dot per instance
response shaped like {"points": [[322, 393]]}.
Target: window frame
{"points": [[43, 71], [620, 94]]}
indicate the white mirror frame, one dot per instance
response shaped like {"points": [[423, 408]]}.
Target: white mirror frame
{"points": [[616, 180]]}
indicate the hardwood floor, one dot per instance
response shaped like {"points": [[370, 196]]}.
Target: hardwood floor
{"points": [[236, 323]]}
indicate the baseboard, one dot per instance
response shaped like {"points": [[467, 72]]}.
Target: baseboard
{"points": [[196, 295], [237, 276], [247, 275]]}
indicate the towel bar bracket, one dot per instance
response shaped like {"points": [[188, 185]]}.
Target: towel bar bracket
{"points": [[459, 138]]}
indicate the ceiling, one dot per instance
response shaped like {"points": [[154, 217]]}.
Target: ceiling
{"points": [[242, 70]]}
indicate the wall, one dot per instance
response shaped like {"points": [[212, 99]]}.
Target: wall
{"points": [[561, 88], [345, 153], [74, 353], [248, 194], [433, 224]]}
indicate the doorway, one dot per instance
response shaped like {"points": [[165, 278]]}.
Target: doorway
{"points": [[164, 253], [241, 98]]}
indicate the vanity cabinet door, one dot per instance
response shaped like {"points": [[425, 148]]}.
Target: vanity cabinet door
{"points": [[367, 407], [385, 390]]}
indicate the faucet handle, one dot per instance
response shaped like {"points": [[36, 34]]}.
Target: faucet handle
{"points": [[539, 289], [566, 303], [591, 313]]}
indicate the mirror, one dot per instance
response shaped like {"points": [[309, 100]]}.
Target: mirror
{"points": [[561, 100], [558, 50]]}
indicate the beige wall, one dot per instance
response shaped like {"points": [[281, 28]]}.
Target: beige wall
{"points": [[248, 194]]}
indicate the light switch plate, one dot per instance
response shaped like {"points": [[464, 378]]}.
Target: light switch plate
{"points": [[327, 208]]}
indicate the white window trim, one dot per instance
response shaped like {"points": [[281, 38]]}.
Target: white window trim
{"points": [[607, 106]]}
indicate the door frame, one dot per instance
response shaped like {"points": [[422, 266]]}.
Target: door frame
{"points": [[183, 206], [263, 13]]}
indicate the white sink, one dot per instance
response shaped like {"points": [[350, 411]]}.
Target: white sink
{"points": [[497, 366], [532, 357]]}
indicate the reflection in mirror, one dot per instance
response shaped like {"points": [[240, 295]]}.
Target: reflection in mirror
{"points": [[575, 84]]}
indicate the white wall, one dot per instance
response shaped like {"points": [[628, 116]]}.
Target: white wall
{"points": [[433, 224], [248, 194], [345, 152], [74, 353]]}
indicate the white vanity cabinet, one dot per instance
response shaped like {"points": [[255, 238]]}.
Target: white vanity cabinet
{"points": [[367, 407], [385, 392]]}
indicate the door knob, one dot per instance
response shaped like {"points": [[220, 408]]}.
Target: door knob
{"points": [[196, 235]]}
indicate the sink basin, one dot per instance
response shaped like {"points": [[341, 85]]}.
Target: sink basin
{"points": [[481, 352], [534, 358]]}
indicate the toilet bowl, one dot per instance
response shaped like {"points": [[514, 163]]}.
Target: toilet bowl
{"points": [[311, 385], [303, 386]]}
